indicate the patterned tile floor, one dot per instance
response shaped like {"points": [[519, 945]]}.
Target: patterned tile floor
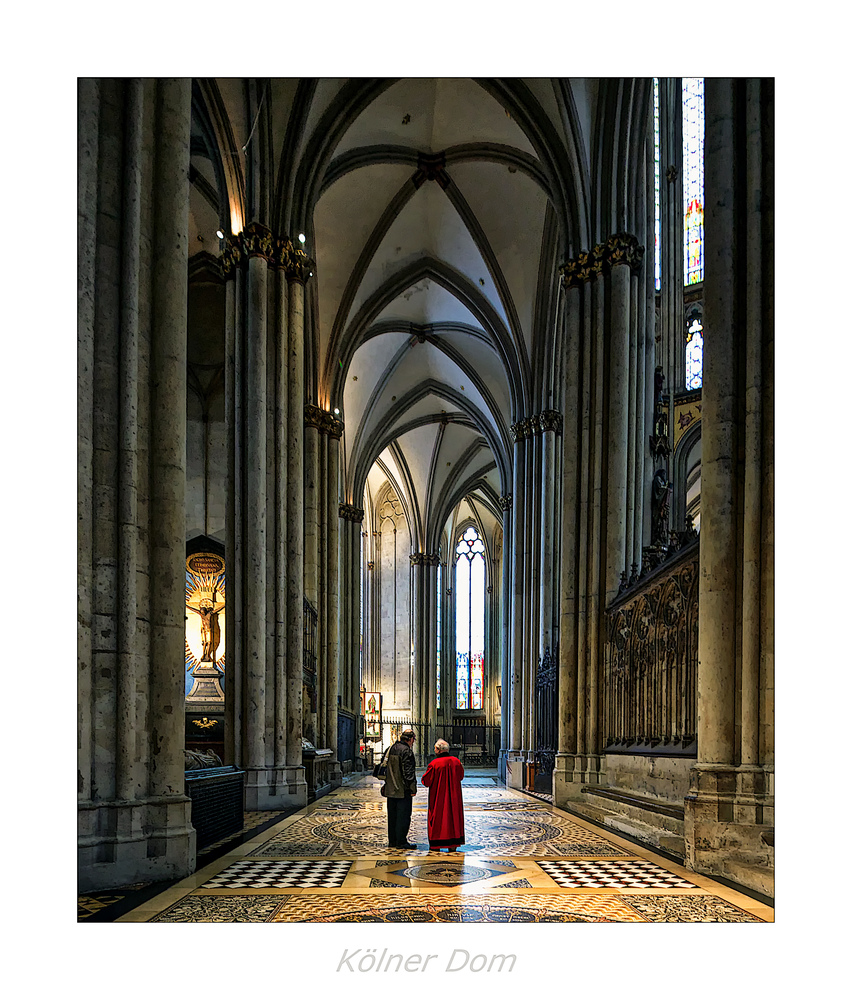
{"points": [[524, 861]]}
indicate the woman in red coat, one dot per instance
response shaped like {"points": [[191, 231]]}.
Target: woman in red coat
{"points": [[445, 822]]}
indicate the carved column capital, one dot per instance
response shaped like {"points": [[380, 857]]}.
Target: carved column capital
{"points": [[232, 254], [523, 429], [325, 422], [550, 420], [297, 265], [258, 241], [505, 502], [583, 268], [351, 513], [418, 558], [623, 248]]}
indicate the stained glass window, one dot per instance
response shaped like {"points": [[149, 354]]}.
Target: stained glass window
{"points": [[693, 179], [438, 657], [470, 620], [657, 247], [694, 354]]}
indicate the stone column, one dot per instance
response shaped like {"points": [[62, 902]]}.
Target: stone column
{"points": [[752, 432], [730, 805], [632, 383], [514, 775], [430, 623], [298, 269], [130, 668], [134, 818], [254, 487], [168, 475], [282, 406], [312, 491], [505, 666], [571, 526], [550, 423], [416, 619], [264, 623], [350, 598], [332, 598], [617, 414], [88, 138], [532, 576], [233, 501], [671, 234], [589, 692]]}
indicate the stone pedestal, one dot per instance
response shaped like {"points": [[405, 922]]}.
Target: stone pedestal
{"points": [[206, 685], [276, 788], [729, 816]]}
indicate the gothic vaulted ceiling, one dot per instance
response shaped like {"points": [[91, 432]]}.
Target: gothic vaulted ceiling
{"points": [[438, 212]]}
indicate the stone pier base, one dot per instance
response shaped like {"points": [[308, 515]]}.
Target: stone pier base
{"points": [[571, 774], [515, 770], [120, 843], [280, 788], [729, 824]]}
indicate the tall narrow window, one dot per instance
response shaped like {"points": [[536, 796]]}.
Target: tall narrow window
{"points": [[438, 656], [657, 247], [694, 354], [470, 620], [693, 179]]}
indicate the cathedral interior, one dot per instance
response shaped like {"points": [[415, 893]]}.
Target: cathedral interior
{"points": [[435, 403]]}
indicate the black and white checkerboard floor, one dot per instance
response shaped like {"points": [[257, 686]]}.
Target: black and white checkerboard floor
{"points": [[281, 875], [595, 874]]}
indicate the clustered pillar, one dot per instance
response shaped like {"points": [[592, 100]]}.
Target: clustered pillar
{"points": [[730, 804], [264, 388], [602, 486], [529, 526], [323, 570], [351, 521], [134, 818]]}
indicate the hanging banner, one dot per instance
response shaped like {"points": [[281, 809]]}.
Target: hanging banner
{"points": [[371, 709]]}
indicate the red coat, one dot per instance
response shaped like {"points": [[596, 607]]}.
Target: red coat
{"points": [[445, 821]]}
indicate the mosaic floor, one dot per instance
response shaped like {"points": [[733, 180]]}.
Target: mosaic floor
{"points": [[523, 861]]}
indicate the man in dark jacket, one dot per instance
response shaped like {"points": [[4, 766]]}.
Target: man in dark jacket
{"points": [[399, 788]]}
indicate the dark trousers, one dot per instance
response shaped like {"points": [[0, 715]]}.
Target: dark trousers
{"points": [[399, 820]]}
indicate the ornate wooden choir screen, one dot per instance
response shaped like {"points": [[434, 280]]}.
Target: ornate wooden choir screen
{"points": [[651, 662]]}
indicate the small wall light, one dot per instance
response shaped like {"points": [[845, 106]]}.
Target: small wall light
{"points": [[220, 234]]}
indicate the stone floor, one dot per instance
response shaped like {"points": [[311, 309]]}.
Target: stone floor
{"points": [[524, 861]]}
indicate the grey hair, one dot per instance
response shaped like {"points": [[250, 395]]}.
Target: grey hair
{"points": [[441, 746]]}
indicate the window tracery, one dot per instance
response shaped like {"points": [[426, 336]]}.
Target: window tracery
{"points": [[470, 620]]}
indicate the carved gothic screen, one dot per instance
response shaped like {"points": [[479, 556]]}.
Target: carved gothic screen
{"points": [[546, 717], [470, 620], [651, 664], [693, 179]]}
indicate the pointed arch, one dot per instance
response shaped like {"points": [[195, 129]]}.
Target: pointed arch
{"points": [[340, 352]]}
